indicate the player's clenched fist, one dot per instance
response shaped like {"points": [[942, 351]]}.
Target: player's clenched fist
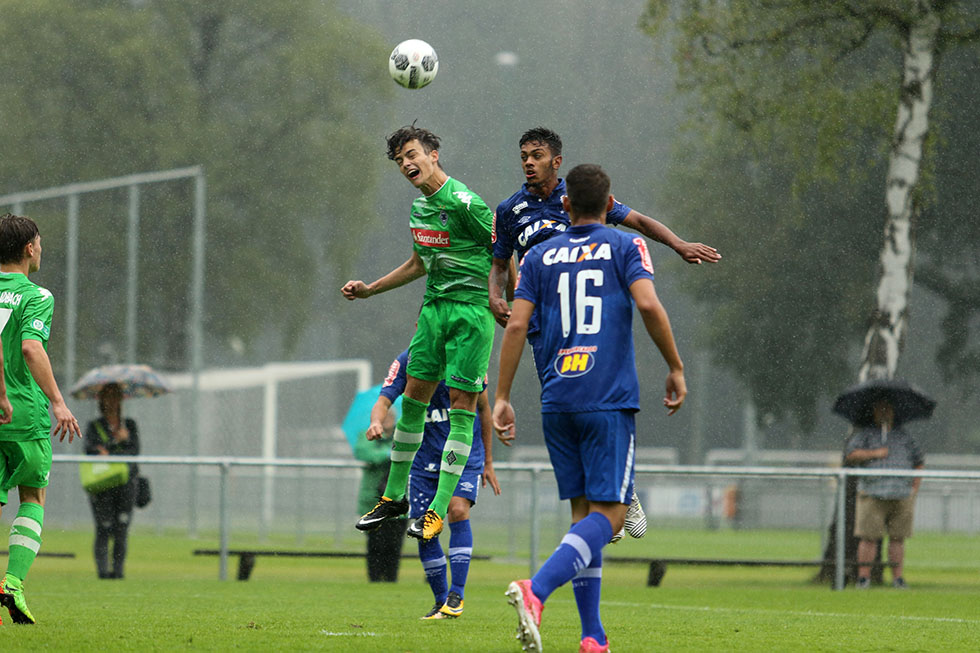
{"points": [[355, 290]]}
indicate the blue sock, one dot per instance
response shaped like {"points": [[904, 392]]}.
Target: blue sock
{"points": [[434, 565], [587, 585], [460, 552], [583, 542]]}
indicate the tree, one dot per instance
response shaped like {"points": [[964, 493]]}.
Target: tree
{"points": [[276, 101], [814, 86]]}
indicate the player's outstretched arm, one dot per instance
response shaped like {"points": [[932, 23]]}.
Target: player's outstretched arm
{"points": [[690, 252], [489, 476], [511, 348], [501, 288], [40, 366], [408, 271], [658, 326], [6, 411]]}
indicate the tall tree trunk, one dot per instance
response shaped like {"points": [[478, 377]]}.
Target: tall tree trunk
{"points": [[886, 336]]}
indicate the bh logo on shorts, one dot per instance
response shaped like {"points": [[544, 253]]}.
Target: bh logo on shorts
{"points": [[575, 361]]}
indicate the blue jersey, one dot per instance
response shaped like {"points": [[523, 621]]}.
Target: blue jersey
{"points": [[429, 457], [525, 219], [579, 284]]}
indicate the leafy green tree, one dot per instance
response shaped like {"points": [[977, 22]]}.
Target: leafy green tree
{"points": [[278, 101], [805, 107]]}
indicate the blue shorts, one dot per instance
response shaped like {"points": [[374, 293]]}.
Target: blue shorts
{"points": [[422, 489], [592, 453]]}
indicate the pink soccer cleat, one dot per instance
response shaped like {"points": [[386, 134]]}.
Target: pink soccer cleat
{"points": [[529, 609], [590, 645]]}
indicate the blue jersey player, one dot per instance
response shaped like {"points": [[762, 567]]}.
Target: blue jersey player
{"points": [[424, 479], [534, 214], [582, 285]]}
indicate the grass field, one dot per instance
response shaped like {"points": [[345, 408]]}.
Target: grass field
{"points": [[172, 600]]}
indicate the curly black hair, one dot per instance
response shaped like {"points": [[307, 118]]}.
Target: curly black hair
{"points": [[542, 135]]}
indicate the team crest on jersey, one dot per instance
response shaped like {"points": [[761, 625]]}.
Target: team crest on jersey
{"points": [[443, 218], [576, 361], [520, 207]]}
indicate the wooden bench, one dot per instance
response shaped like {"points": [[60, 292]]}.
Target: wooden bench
{"points": [[658, 566], [246, 557]]}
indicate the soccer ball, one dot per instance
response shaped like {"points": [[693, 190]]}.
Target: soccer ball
{"points": [[413, 63]]}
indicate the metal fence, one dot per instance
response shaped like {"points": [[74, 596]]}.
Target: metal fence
{"points": [[334, 491]]}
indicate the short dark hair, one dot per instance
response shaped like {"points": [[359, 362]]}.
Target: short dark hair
{"points": [[587, 186], [542, 135], [397, 140], [15, 232]]}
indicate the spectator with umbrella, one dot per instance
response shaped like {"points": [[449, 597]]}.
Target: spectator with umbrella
{"points": [[879, 409], [115, 435]]}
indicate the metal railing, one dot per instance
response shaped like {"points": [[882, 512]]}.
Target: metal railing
{"points": [[224, 464]]}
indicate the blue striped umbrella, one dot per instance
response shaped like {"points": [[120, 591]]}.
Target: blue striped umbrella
{"points": [[135, 381]]}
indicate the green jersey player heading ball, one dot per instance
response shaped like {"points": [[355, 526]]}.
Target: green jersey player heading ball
{"points": [[452, 238]]}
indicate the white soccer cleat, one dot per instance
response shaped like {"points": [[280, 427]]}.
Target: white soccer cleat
{"points": [[636, 520]]}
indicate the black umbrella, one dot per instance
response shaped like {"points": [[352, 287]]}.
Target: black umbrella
{"points": [[857, 402]]}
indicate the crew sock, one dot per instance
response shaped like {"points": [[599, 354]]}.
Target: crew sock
{"points": [[583, 542], [434, 565], [407, 440], [460, 553], [587, 586], [25, 539], [454, 457]]}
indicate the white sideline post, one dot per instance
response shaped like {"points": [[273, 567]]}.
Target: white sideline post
{"points": [[841, 535]]}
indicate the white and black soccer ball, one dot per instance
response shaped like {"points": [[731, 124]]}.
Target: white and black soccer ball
{"points": [[413, 63]]}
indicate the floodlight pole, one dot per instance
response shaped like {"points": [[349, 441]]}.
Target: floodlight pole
{"points": [[195, 328], [71, 288], [132, 271]]}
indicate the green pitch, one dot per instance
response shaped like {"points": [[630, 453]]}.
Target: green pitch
{"points": [[172, 600]]}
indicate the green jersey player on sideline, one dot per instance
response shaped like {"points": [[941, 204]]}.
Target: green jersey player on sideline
{"points": [[25, 442], [452, 233]]}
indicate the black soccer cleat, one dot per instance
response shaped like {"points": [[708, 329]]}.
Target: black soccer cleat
{"points": [[426, 527], [385, 509]]}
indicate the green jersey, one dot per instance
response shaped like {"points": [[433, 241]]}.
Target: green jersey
{"points": [[452, 230], [25, 314]]}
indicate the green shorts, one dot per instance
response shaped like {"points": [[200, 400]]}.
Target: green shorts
{"points": [[452, 342], [25, 462]]}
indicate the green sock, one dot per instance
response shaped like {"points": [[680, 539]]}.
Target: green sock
{"points": [[454, 457], [25, 539], [407, 440]]}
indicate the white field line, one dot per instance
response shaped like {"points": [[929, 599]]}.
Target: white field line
{"points": [[795, 613]]}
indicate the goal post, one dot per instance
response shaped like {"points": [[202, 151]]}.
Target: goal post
{"points": [[268, 379]]}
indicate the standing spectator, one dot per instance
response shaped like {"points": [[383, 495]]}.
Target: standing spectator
{"points": [[112, 435], [884, 503], [384, 544], [26, 311]]}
